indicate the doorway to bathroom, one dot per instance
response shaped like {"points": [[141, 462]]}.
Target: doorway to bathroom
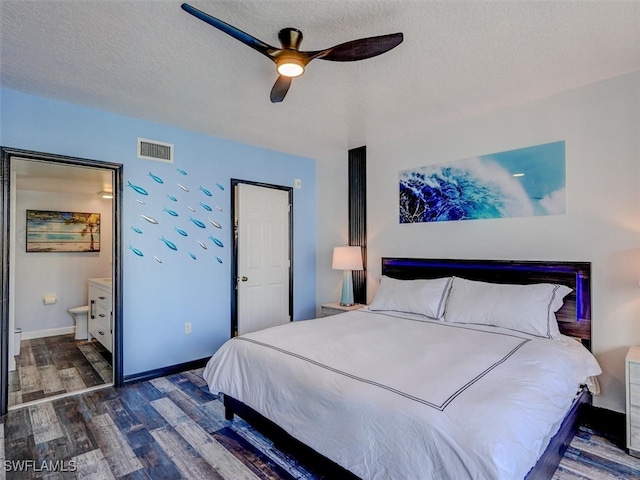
{"points": [[60, 258]]}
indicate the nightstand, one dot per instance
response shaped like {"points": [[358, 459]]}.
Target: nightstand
{"points": [[335, 308], [632, 377]]}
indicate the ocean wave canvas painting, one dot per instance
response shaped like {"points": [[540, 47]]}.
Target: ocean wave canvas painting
{"points": [[524, 182]]}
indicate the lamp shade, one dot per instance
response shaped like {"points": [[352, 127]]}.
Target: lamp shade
{"points": [[347, 258]]}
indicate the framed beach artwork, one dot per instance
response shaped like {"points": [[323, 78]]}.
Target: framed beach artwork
{"points": [[524, 182], [52, 231]]}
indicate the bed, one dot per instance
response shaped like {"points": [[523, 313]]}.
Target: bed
{"points": [[424, 383]]}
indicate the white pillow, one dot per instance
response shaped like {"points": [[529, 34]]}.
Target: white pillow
{"points": [[525, 308], [425, 297]]}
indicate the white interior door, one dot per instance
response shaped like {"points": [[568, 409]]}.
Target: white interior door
{"points": [[263, 260]]}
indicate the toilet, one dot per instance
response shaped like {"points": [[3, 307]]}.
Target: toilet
{"points": [[80, 318]]}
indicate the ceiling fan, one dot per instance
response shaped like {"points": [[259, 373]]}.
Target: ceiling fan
{"points": [[290, 61]]}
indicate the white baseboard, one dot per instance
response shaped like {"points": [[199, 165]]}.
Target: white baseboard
{"points": [[52, 332]]}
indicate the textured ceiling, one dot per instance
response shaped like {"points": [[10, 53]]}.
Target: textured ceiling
{"points": [[152, 60]]}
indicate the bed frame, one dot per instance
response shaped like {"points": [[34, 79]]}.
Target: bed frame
{"points": [[574, 319]]}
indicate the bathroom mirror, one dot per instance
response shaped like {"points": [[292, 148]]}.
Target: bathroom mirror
{"points": [[50, 346]]}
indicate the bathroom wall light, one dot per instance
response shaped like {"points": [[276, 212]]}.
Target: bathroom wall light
{"points": [[104, 194]]}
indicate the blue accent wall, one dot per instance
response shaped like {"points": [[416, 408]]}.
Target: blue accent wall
{"points": [[158, 298]]}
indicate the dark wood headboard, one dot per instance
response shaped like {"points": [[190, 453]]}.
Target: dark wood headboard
{"points": [[574, 318]]}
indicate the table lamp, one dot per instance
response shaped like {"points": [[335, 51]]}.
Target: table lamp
{"points": [[347, 258]]}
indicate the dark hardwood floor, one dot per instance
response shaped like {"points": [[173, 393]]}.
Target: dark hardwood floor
{"points": [[172, 428], [51, 366]]}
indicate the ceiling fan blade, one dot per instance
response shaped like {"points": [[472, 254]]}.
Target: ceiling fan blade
{"points": [[280, 89], [360, 49], [236, 33]]}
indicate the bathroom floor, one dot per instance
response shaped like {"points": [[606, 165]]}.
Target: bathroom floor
{"points": [[54, 365]]}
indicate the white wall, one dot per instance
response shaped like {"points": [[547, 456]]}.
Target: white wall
{"points": [[332, 219], [64, 274], [600, 124]]}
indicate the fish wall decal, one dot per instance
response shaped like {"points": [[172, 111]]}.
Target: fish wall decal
{"points": [[216, 241], [214, 223], [175, 213], [137, 188], [156, 178], [205, 191], [197, 222], [149, 219], [169, 243]]}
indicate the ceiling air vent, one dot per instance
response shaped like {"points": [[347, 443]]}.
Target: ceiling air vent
{"points": [[154, 150]]}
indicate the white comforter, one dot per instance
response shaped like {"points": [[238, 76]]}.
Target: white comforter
{"points": [[389, 397]]}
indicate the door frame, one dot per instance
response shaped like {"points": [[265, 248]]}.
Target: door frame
{"points": [[234, 256], [7, 154]]}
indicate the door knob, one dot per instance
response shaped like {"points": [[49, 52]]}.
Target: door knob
{"points": [[244, 278]]}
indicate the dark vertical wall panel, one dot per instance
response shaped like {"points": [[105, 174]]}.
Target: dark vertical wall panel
{"points": [[358, 216], [5, 182]]}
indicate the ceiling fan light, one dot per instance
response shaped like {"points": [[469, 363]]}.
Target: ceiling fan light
{"points": [[290, 67]]}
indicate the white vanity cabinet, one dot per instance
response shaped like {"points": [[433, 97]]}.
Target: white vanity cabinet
{"points": [[101, 311]]}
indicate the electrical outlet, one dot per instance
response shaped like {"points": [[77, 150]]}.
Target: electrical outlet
{"points": [[187, 327]]}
